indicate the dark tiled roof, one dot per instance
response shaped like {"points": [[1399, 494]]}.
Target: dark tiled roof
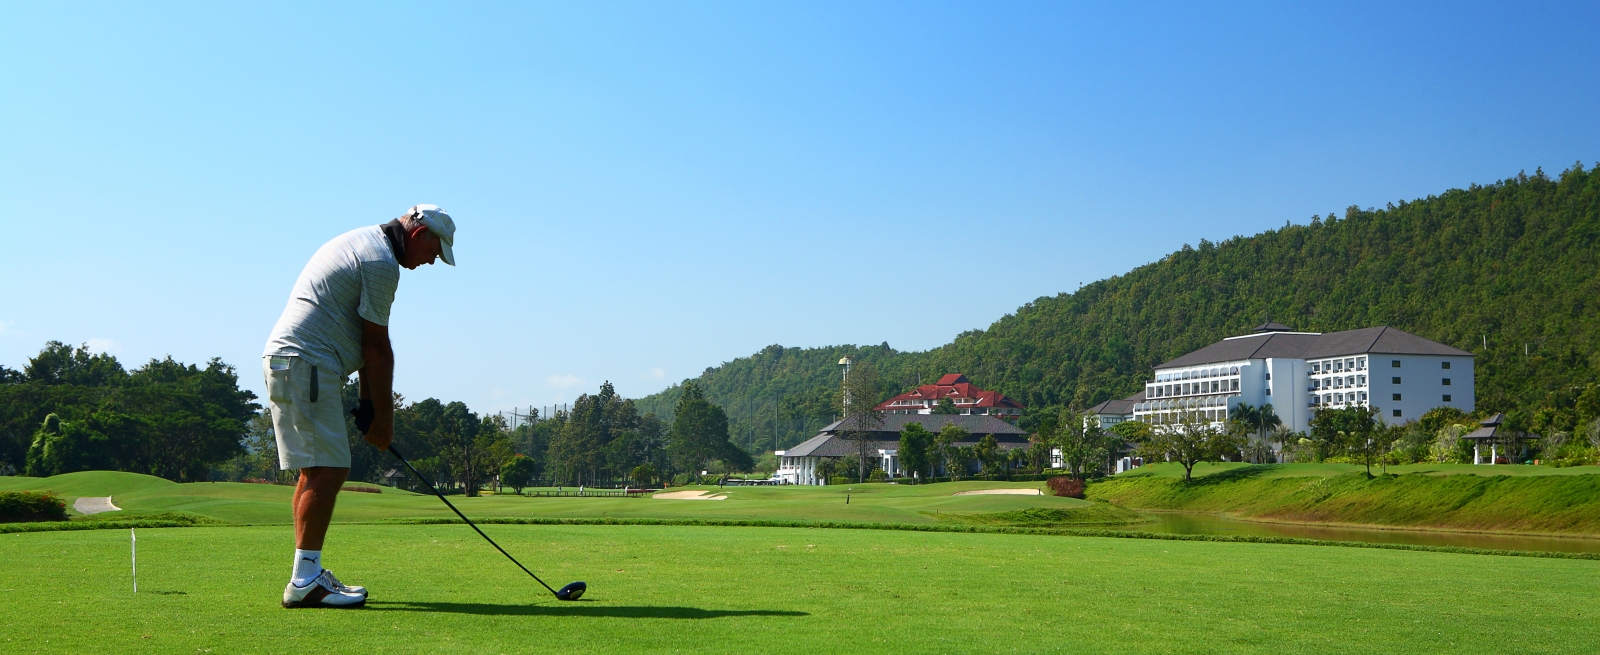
{"points": [[829, 443], [1299, 345], [1118, 407], [1255, 346], [1271, 326], [1383, 340]]}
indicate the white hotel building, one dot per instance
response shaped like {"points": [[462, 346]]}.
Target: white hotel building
{"points": [[1401, 374]]}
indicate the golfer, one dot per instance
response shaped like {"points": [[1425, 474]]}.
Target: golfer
{"points": [[337, 323]]}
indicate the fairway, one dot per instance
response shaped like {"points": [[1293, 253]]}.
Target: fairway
{"points": [[264, 503], [438, 588]]}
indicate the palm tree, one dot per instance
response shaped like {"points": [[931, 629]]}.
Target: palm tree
{"points": [[1249, 419], [1266, 420], [1258, 420]]}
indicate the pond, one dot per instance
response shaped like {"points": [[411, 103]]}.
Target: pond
{"points": [[1218, 524]]}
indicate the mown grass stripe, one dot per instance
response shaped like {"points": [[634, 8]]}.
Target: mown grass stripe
{"points": [[8, 528]]}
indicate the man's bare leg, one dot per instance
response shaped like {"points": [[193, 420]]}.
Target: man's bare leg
{"points": [[314, 497]]}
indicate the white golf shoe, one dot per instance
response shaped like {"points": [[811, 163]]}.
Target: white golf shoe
{"points": [[323, 591], [357, 590]]}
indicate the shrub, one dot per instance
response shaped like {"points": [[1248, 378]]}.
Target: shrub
{"points": [[1065, 486], [839, 479], [20, 506], [877, 475]]}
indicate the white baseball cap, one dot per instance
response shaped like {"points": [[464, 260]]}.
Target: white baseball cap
{"points": [[441, 225]]}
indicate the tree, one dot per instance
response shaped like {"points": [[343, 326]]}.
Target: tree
{"points": [[643, 474], [948, 441], [858, 395], [1352, 429], [826, 468], [1190, 441], [1081, 441], [1256, 421], [586, 445], [460, 451], [699, 432], [1129, 434], [945, 407], [987, 451], [518, 472], [916, 442]]}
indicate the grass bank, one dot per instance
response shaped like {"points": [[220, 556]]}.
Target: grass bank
{"points": [[1426, 498]]}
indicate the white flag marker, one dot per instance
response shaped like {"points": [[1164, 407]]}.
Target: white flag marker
{"points": [[133, 552]]}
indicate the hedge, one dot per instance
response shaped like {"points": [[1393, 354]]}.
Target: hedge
{"points": [[28, 506]]}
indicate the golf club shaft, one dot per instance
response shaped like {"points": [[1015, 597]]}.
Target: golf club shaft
{"points": [[452, 507]]}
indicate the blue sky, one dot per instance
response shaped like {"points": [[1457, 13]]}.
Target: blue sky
{"points": [[647, 189]]}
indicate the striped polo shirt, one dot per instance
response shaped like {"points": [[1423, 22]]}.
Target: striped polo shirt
{"points": [[351, 278]]}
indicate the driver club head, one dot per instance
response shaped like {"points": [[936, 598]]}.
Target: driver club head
{"points": [[572, 591]]}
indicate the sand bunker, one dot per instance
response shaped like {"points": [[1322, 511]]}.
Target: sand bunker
{"points": [[688, 495], [87, 505], [1006, 492]]}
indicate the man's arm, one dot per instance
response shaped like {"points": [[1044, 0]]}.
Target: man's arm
{"points": [[377, 382]]}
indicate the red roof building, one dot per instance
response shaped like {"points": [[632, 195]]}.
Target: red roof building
{"points": [[955, 387]]}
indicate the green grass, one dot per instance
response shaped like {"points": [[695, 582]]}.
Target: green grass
{"points": [[1321, 493], [141, 495], [438, 588], [1172, 470], [1096, 514]]}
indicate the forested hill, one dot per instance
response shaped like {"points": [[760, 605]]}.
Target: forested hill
{"points": [[1509, 271]]}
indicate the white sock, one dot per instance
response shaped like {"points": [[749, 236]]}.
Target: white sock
{"points": [[307, 566]]}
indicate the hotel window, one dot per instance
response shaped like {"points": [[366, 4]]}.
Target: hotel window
{"points": [[1444, 365], [1395, 363], [1361, 363], [1363, 396], [1235, 385], [1397, 397], [1316, 367], [1397, 413], [1447, 382], [1361, 380], [1394, 380], [1316, 384], [1338, 366], [1447, 397]]}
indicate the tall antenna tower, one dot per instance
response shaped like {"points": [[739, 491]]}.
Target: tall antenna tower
{"points": [[844, 382]]}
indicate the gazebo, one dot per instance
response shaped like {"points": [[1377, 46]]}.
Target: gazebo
{"points": [[1491, 434]]}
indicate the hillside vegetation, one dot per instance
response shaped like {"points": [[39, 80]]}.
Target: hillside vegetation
{"points": [[1504, 271], [1556, 504]]}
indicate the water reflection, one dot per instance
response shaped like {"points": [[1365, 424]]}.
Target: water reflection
{"points": [[1198, 523]]}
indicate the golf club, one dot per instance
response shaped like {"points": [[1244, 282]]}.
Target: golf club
{"points": [[572, 591]]}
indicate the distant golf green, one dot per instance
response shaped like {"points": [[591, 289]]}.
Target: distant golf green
{"points": [[438, 588], [262, 503]]}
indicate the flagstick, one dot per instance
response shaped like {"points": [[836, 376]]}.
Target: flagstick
{"points": [[133, 545]]}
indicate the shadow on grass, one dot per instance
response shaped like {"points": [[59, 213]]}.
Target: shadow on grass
{"points": [[1230, 475], [580, 608]]}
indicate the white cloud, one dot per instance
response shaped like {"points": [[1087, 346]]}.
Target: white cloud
{"points": [[99, 345], [5, 328], [657, 374], [563, 381]]}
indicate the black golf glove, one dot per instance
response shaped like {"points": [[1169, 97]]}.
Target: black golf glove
{"points": [[364, 413]]}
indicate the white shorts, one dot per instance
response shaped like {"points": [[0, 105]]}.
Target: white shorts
{"points": [[307, 413]]}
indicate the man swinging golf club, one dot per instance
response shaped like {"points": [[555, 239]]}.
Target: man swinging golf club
{"points": [[337, 323]]}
